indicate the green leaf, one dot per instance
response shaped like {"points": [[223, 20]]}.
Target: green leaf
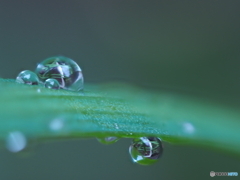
{"points": [[117, 110]]}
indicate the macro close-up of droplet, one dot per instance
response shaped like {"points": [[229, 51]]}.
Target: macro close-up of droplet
{"points": [[16, 141], [52, 84], [27, 77], [108, 140], [66, 71], [146, 150]]}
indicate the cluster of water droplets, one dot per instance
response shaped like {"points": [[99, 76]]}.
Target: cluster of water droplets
{"points": [[63, 73], [57, 72]]}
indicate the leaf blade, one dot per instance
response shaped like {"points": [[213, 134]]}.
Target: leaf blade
{"points": [[118, 110]]}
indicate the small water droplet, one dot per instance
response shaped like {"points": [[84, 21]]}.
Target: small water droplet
{"points": [[116, 125], [56, 124], [146, 150], [108, 140], [188, 128], [27, 77], [16, 141], [52, 84], [64, 70]]}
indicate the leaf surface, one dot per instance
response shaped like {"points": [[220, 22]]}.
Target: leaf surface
{"points": [[117, 110]]}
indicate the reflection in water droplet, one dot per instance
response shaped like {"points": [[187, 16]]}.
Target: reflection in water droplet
{"points": [[52, 84], [27, 77], [64, 70], [56, 124], [146, 150], [16, 141], [108, 140]]}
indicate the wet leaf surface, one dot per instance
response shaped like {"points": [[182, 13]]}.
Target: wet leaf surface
{"points": [[117, 110]]}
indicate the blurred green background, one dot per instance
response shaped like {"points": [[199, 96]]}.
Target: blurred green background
{"points": [[189, 47]]}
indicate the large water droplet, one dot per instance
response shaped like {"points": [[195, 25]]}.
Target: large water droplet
{"points": [[52, 84], [108, 140], [146, 150], [64, 70], [16, 141], [27, 77]]}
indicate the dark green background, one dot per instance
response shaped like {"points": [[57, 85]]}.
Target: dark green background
{"points": [[182, 46]]}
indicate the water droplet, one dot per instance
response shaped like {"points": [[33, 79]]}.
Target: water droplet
{"points": [[56, 124], [16, 141], [64, 70], [52, 84], [39, 90], [146, 150], [108, 140], [27, 77], [116, 125], [188, 128]]}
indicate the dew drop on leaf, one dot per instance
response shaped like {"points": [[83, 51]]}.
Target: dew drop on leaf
{"points": [[52, 84], [56, 124], [146, 150], [16, 141], [39, 90], [108, 140], [27, 77], [64, 70]]}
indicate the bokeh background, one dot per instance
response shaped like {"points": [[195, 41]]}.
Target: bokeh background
{"points": [[185, 46]]}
